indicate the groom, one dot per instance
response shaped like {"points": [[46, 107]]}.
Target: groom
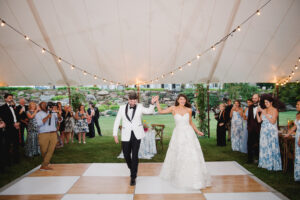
{"points": [[132, 131]]}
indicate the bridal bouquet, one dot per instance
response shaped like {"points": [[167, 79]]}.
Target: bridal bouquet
{"points": [[145, 125]]}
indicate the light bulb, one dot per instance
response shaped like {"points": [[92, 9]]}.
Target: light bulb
{"points": [[59, 60], [213, 48], [2, 23], [172, 73], [238, 28], [162, 76], [95, 77], [26, 37], [198, 56], [180, 68], [189, 63], [293, 73], [258, 12], [72, 67], [296, 67], [43, 50], [84, 73]]}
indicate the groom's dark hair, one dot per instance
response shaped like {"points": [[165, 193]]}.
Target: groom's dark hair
{"points": [[132, 96]]}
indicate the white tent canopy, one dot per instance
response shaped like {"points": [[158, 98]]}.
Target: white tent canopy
{"points": [[139, 40]]}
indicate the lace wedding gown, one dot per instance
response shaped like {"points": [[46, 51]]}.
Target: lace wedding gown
{"points": [[184, 165]]}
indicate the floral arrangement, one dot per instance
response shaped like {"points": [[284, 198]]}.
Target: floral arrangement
{"points": [[145, 125]]}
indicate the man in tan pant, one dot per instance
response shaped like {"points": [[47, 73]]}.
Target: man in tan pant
{"points": [[47, 121]]}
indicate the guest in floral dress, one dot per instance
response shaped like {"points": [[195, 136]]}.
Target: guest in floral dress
{"points": [[245, 133], [269, 151], [297, 143], [68, 123], [81, 124], [236, 126], [32, 146]]}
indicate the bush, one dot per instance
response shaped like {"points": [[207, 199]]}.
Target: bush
{"points": [[112, 113], [103, 108], [16, 88], [59, 97], [77, 100], [114, 107]]}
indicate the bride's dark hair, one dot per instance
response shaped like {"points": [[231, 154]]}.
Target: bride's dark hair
{"points": [[187, 103]]}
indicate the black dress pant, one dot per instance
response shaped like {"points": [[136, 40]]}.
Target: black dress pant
{"points": [[13, 144], [253, 144], [98, 127], [221, 135], [91, 130], [132, 146]]}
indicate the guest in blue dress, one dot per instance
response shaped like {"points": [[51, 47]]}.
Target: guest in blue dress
{"points": [[297, 143], [269, 151], [236, 126], [245, 134], [32, 147]]}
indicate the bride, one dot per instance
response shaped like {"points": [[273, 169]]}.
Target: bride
{"points": [[184, 165]]}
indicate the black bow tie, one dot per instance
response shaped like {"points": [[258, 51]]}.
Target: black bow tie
{"points": [[132, 107], [10, 106], [254, 106]]}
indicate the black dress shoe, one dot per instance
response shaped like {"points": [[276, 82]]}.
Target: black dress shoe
{"points": [[132, 182]]}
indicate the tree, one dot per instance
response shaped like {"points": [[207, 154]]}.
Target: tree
{"points": [[201, 95], [76, 100]]}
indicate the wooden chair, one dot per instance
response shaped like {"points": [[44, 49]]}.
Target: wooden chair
{"points": [[159, 129]]}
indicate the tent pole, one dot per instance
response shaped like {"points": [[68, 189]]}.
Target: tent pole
{"points": [[69, 94], [208, 119], [138, 92], [277, 97]]}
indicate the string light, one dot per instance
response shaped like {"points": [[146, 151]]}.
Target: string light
{"points": [[297, 81], [198, 56], [299, 59], [43, 50], [258, 12], [59, 60], [296, 67], [163, 76], [213, 48], [84, 73], [180, 68], [172, 73], [2, 23], [285, 80], [26, 37], [189, 63], [293, 73], [72, 67], [95, 77], [238, 28]]}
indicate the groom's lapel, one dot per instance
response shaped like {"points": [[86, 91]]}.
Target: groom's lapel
{"points": [[126, 113]]}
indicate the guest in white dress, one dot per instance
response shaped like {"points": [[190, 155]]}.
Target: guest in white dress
{"points": [[184, 165], [236, 126], [297, 143], [269, 151]]}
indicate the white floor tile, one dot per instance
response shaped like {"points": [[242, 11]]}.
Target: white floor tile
{"points": [[98, 197], [241, 196], [224, 168], [107, 169], [154, 185], [41, 185]]}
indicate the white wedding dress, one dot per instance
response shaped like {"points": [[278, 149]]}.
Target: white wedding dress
{"points": [[184, 165]]}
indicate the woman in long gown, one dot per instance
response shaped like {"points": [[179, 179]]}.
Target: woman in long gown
{"points": [[236, 126], [244, 141], [269, 151], [297, 143], [184, 165]]}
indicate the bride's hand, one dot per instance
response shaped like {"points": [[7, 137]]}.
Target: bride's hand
{"points": [[200, 133]]}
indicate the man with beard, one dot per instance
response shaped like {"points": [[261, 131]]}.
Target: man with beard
{"points": [[253, 129]]}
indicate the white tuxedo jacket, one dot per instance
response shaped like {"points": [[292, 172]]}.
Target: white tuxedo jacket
{"points": [[135, 124]]}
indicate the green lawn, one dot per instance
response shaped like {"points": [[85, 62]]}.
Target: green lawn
{"points": [[103, 149]]}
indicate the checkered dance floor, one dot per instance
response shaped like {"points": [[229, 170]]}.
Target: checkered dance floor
{"points": [[110, 181]]}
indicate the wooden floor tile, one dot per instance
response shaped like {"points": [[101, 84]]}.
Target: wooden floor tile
{"points": [[169, 197], [102, 185], [31, 197], [149, 169], [63, 170], [240, 183]]}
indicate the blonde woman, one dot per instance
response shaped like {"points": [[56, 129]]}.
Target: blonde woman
{"points": [[32, 147]]}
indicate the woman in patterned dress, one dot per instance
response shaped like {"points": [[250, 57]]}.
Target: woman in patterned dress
{"points": [[236, 114], [68, 123], [81, 124], [32, 146], [297, 143], [269, 151], [245, 133]]}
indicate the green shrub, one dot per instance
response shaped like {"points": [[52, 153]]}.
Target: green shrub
{"points": [[16, 88], [112, 113], [114, 107], [103, 108], [59, 97]]}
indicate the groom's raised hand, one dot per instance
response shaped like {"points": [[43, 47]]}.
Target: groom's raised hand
{"points": [[116, 139]]}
